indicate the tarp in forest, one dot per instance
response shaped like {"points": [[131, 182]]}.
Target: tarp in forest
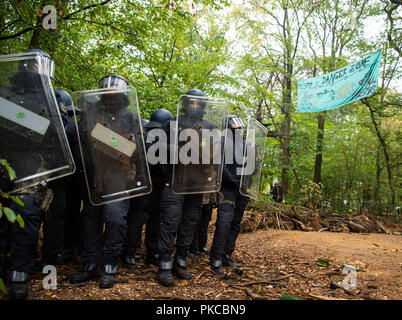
{"points": [[340, 87]]}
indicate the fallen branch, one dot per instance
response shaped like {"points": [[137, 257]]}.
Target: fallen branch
{"points": [[200, 275], [382, 228], [270, 281], [249, 293], [257, 225], [291, 217], [356, 226], [324, 297], [302, 275]]}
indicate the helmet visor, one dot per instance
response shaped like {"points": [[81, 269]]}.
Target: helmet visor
{"points": [[236, 123], [112, 81], [48, 67], [43, 65]]}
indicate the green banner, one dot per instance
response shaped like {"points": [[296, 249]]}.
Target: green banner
{"points": [[340, 87]]}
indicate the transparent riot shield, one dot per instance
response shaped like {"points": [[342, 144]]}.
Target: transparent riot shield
{"points": [[199, 141], [253, 159], [111, 144], [32, 136]]}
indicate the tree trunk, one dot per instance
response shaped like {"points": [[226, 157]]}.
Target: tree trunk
{"points": [[287, 98], [34, 43], [386, 156], [377, 184]]}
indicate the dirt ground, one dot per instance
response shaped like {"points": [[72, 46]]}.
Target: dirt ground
{"points": [[273, 262]]}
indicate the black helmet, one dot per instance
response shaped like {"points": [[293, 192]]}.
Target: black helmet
{"points": [[113, 80], [48, 67], [195, 92], [190, 102], [161, 116], [64, 100], [114, 101], [234, 122], [144, 122]]}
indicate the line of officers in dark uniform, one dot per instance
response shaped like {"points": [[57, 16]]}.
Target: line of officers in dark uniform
{"points": [[176, 225]]}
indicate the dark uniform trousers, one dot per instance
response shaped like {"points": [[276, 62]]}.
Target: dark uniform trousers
{"points": [[104, 247], [144, 210], [24, 240], [179, 215], [229, 216], [53, 225], [63, 220], [201, 230], [5, 226], [73, 223]]}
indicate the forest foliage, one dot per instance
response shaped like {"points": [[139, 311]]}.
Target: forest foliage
{"points": [[251, 52]]}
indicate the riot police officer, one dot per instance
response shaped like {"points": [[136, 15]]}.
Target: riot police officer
{"points": [[180, 211], [28, 154], [105, 175], [67, 195], [232, 206], [146, 209], [75, 189], [277, 192]]}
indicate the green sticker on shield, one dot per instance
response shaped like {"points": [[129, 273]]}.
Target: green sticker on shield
{"points": [[114, 142], [203, 143], [20, 115]]}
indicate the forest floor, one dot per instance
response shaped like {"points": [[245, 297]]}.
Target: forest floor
{"points": [[273, 262]]}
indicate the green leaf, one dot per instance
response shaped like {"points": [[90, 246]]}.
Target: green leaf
{"points": [[1, 212], [20, 221], [258, 289], [322, 262], [9, 214], [11, 172], [2, 286], [17, 200]]}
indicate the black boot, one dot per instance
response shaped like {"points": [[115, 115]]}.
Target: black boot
{"points": [[108, 278], [129, 262], [180, 269], [204, 250], [165, 276], [228, 262], [89, 271], [18, 285], [152, 258], [216, 266]]}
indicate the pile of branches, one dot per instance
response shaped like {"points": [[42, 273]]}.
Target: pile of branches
{"points": [[292, 217]]}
